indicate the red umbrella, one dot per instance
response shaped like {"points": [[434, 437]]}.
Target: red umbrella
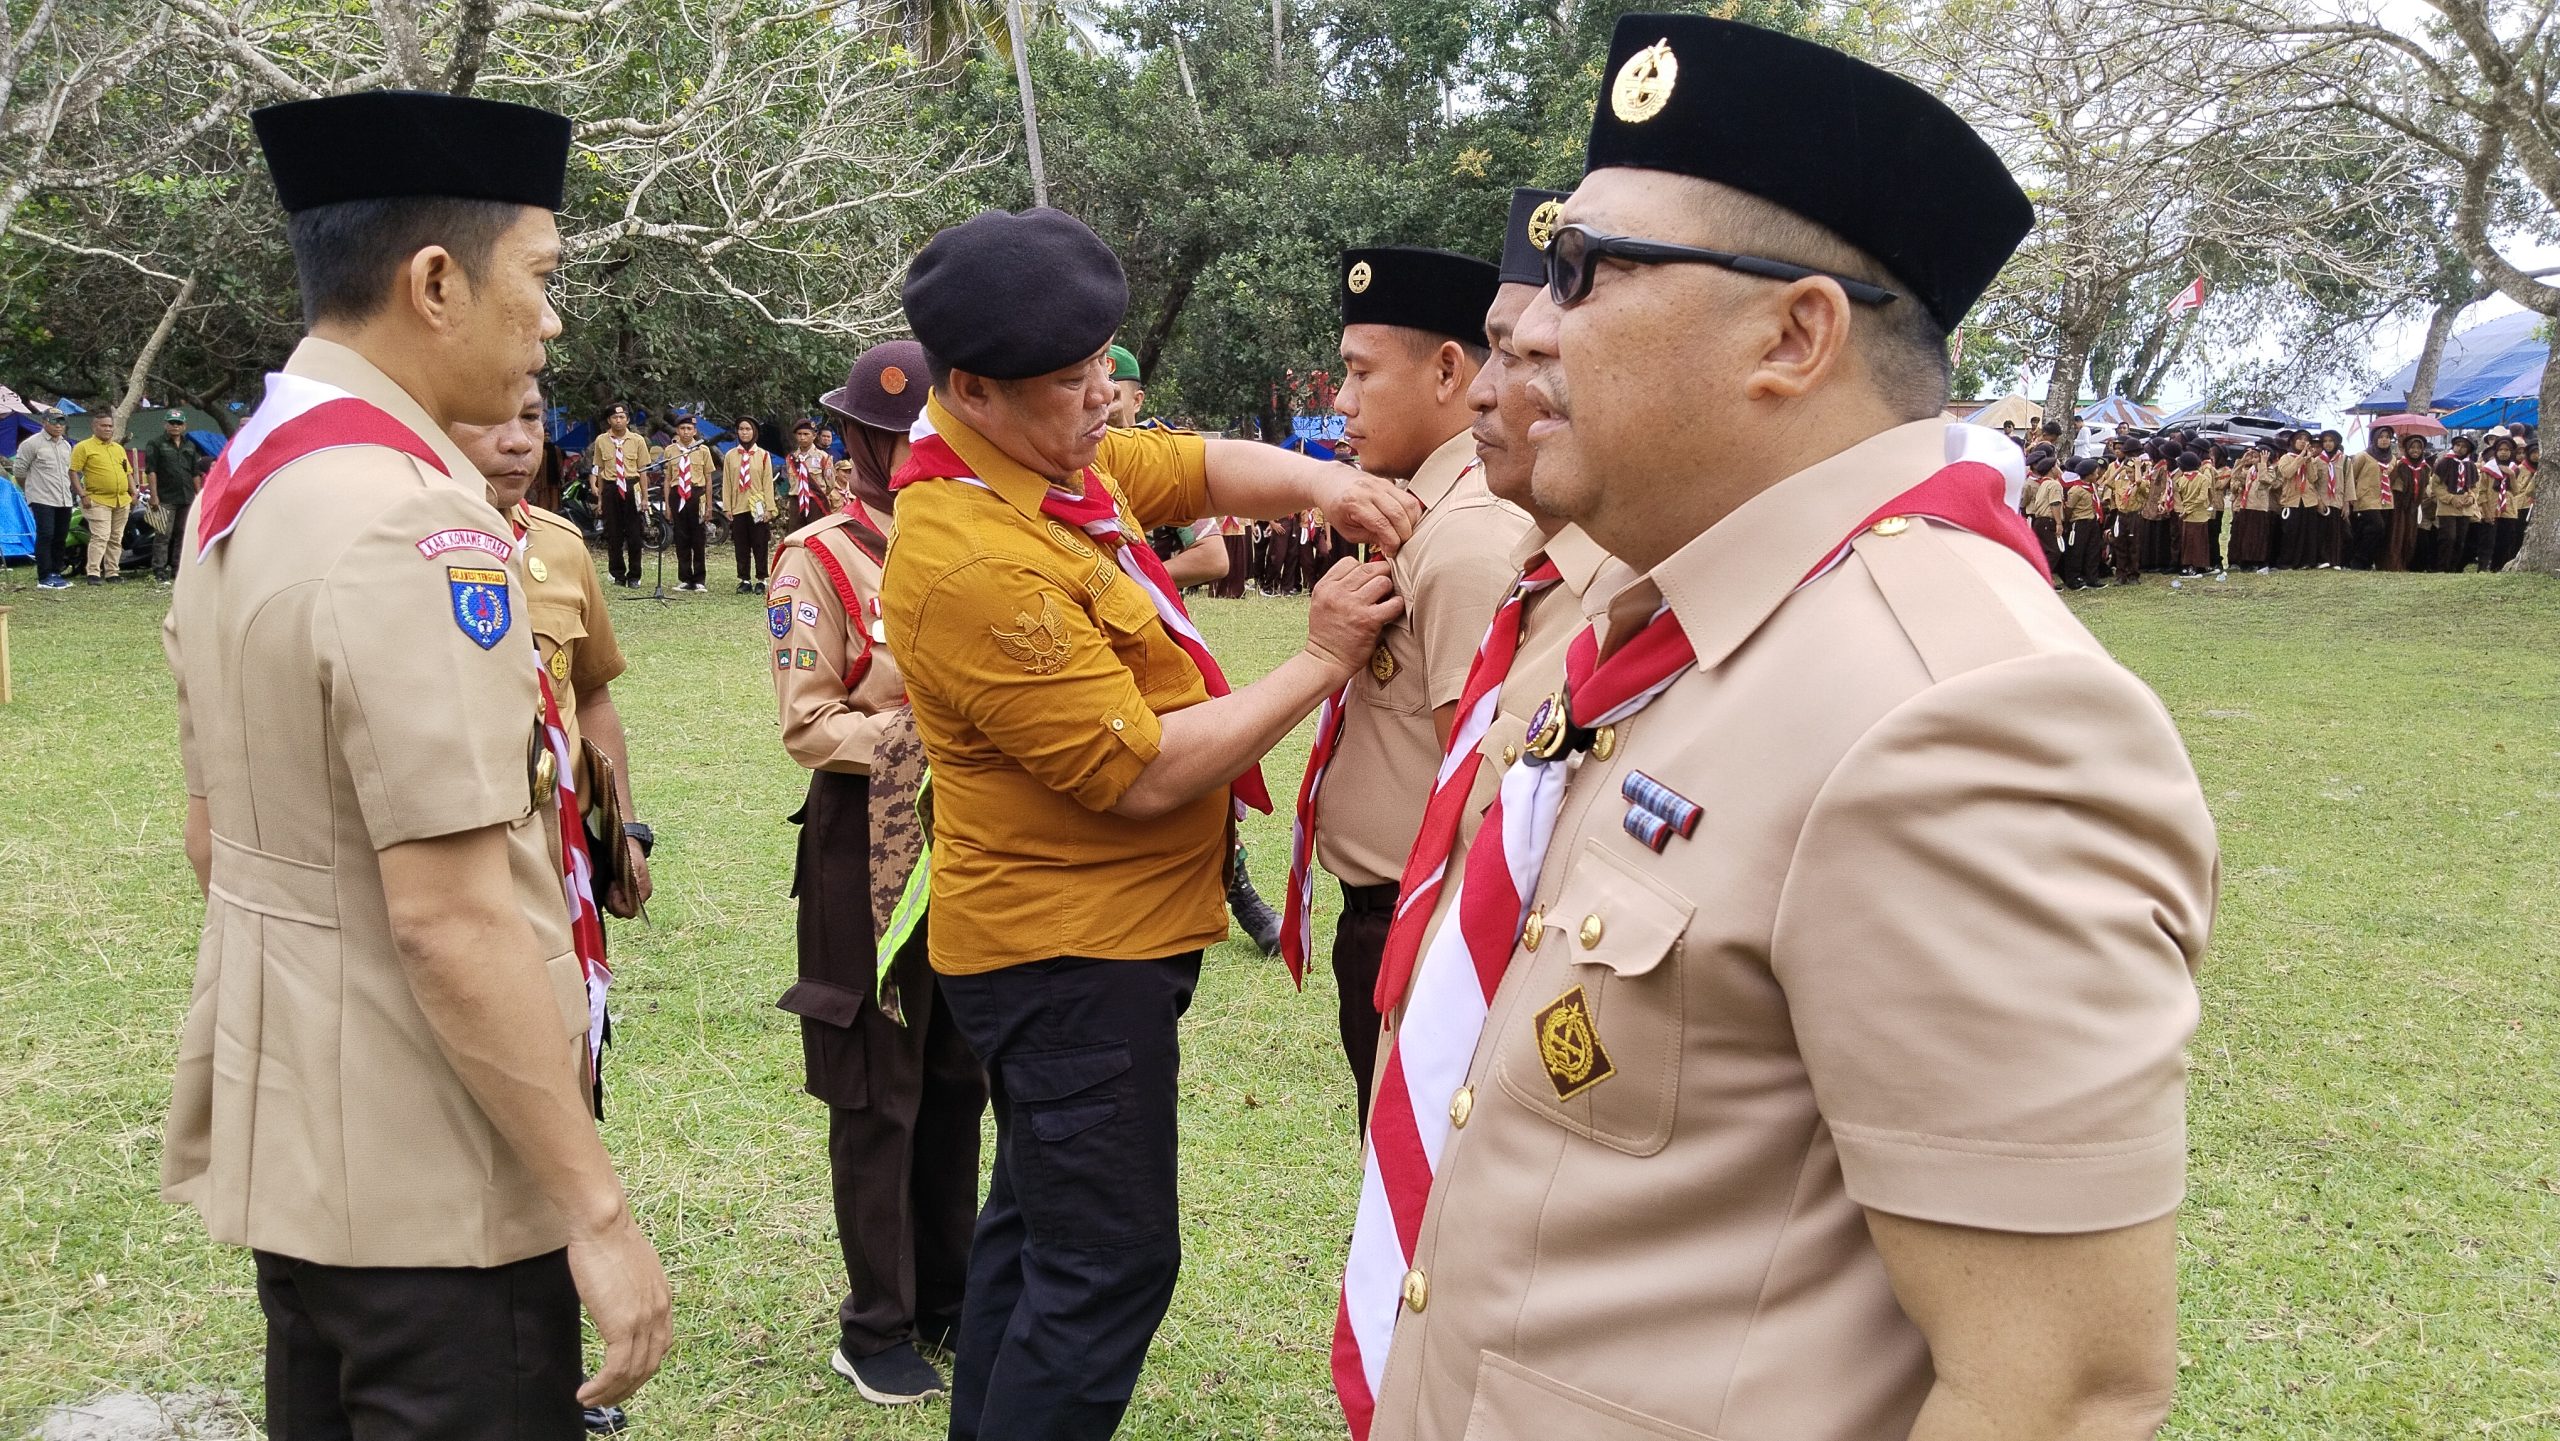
{"points": [[2407, 423]]}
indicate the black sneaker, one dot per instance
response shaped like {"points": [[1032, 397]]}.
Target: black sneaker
{"points": [[895, 1377], [1251, 912], [605, 1420]]}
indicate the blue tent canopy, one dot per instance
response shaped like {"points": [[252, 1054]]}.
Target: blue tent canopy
{"points": [[2481, 363], [2117, 410], [15, 427], [17, 523], [208, 441], [2510, 410]]}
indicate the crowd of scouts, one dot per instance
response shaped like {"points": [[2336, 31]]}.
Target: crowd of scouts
{"points": [[1722, 1066], [2187, 504]]}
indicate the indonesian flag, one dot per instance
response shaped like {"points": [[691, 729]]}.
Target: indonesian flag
{"points": [[2191, 298], [300, 417]]}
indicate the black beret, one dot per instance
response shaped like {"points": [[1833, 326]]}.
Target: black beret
{"points": [[1533, 225], [1428, 290], [394, 144], [1010, 296], [1869, 156]]}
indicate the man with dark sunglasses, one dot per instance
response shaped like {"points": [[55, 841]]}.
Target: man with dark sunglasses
{"points": [[1822, 972]]}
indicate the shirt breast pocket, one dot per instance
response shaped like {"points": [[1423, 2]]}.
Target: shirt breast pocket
{"points": [[1124, 615], [556, 625], [1599, 1050], [1392, 680]]}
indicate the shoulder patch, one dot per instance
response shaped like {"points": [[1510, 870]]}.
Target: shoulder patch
{"points": [[786, 582], [480, 608], [464, 539], [777, 618]]}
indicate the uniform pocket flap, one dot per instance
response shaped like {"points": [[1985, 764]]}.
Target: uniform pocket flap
{"points": [[1120, 606], [1514, 1403], [274, 885], [823, 1001], [1056, 1075], [557, 622], [1612, 917], [1060, 1122]]}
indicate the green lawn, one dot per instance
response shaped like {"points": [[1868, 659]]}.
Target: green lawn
{"points": [[2370, 1237]]}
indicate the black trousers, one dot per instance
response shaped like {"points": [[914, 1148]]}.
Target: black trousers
{"points": [[1359, 942], [1076, 1252], [2510, 538], [753, 540], [622, 532], [53, 535], [686, 518], [2453, 542], [2372, 533], [2124, 546], [421, 1353], [2049, 541], [2080, 561]]}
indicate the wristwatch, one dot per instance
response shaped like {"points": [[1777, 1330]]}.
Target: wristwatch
{"points": [[639, 831]]}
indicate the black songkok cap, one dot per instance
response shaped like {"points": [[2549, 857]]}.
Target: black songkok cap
{"points": [[1010, 296], [397, 144], [1428, 290], [1869, 156], [1533, 225]]}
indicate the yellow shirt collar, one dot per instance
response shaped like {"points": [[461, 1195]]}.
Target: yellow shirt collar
{"points": [[1021, 487]]}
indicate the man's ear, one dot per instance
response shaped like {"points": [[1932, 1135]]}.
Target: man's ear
{"points": [[1811, 335], [434, 288], [1449, 367]]}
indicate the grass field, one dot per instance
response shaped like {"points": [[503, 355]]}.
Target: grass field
{"points": [[2372, 1237]]}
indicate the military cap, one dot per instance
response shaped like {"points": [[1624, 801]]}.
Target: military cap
{"points": [[1869, 156], [1428, 290], [1124, 364], [177, 417], [885, 389], [1009, 296], [397, 144], [1534, 217]]}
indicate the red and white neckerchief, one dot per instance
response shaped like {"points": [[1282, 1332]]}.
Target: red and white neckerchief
{"points": [[299, 417], [684, 476], [1298, 907], [621, 466], [1428, 866], [930, 457], [802, 488], [2498, 477], [2328, 478], [1452, 991], [577, 867]]}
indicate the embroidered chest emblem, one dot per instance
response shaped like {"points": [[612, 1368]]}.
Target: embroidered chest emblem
{"points": [[1070, 540], [479, 604], [1039, 645], [1569, 1046], [1382, 664]]}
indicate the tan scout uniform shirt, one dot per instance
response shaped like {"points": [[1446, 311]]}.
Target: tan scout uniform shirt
{"points": [[824, 726], [2080, 502], [2193, 498], [1452, 573], [1928, 952], [572, 627], [746, 481], [2364, 481], [635, 461], [2450, 505], [706, 472], [2044, 497], [331, 705]]}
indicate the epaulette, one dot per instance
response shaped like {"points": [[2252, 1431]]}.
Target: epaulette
{"points": [[1949, 612], [555, 518], [827, 522]]}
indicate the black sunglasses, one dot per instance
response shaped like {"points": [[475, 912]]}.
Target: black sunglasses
{"points": [[1575, 253]]}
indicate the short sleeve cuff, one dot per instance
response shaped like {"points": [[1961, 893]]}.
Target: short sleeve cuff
{"points": [[1140, 737], [2014, 1186]]}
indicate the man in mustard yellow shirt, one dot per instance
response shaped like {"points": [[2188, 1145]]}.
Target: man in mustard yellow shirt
{"points": [[105, 476], [1086, 757]]}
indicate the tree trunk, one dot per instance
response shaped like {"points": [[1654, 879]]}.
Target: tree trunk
{"points": [[2148, 383], [141, 372], [2062, 394], [2541, 553], [1278, 10], [2422, 384], [1030, 109]]}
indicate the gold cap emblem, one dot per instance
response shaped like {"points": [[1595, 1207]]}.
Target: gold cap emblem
{"points": [[1359, 281], [1542, 223], [1644, 83]]}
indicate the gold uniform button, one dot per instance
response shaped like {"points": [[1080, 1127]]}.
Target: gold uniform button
{"points": [[1119, 724], [1510, 754], [1534, 929], [546, 775], [1591, 931], [1461, 1106], [1893, 525], [1417, 1290], [1604, 743]]}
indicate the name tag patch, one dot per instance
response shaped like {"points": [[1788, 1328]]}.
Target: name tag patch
{"points": [[479, 604], [479, 540]]}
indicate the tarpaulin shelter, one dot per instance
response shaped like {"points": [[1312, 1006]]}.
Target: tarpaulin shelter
{"points": [[2505, 410], [2491, 360], [2119, 411]]}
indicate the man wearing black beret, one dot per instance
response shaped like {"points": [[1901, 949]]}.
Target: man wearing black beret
{"points": [[1087, 758], [1412, 342], [1821, 1071], [384, 1084]]}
